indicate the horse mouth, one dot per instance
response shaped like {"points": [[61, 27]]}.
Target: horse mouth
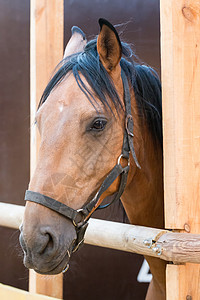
{"points": [[50, 268], [46, 263], [62, 267]]}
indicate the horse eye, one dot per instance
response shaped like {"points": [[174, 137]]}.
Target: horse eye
{"points": [[99, 125]]}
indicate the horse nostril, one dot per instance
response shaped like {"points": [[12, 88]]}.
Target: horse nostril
{"points": [[48, 243]]}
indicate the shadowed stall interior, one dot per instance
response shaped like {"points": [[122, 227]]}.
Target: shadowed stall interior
{"points": [[95, 272]]}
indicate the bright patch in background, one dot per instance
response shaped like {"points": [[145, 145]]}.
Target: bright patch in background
{"points": [[144, 274]]}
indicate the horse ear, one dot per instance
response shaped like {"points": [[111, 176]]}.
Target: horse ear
{"points": [[76, 43], [109, 46]]}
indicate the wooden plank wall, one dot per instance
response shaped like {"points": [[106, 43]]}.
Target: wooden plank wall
{"points": [[47, 26], [180, 51]]}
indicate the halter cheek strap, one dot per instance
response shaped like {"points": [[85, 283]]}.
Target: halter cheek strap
{"points": [[80, 217]]}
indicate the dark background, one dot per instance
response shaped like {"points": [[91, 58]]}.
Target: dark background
{"points": [[95, 273]]}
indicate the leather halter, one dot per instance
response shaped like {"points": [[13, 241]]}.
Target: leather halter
{"points": [[81, 216]]}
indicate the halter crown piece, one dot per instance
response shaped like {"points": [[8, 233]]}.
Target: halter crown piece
{"points": [[81, 216]]}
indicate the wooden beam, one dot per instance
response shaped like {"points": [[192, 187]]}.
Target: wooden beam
{"points": [[167, 245], [11, 215], [47, 22], [8, 292], [163, 244], [180, 51]]}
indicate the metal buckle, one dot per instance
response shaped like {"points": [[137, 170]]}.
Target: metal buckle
{"points": [[119, 158], [129, 117]]}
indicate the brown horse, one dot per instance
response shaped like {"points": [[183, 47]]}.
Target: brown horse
{"points": [[95, 99]]}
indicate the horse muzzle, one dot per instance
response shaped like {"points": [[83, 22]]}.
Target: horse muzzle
{"points": [[45, 253]]}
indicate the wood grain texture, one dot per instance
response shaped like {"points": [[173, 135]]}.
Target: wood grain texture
{"points": [[51, 285], [180, 51], [180, 247], [173, 279], [47, 22], [182, 282], [47, 31], [180, 41]]}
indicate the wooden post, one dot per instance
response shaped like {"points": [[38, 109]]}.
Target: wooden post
{"points": [[46, 51], [180, 49]]}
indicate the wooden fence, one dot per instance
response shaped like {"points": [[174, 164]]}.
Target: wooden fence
{"points": [[180, 61]]}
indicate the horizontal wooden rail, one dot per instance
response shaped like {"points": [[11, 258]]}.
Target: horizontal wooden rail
{"points": [[8, 292], [167, 245], [11, 215]]}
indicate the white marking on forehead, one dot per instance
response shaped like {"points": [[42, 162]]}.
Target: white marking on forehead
{"points": [[60, 107]]}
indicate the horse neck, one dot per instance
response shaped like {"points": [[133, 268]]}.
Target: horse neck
{"points": [[143, 196]]}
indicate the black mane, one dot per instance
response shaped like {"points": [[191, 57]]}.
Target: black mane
{"points": [[143, 79]]}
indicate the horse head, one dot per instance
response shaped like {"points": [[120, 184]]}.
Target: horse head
{"points": [[81, 120]]}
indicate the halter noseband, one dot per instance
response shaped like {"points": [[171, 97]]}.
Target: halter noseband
{"points": [[81, 216]]}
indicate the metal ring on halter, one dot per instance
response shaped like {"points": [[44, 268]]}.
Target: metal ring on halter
{"points": [[81, 222], [121, 156], [66, 268]]}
